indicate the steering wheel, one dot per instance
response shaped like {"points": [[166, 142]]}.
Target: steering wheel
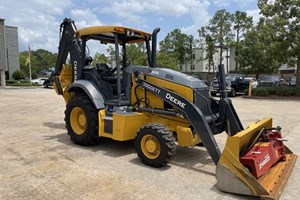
{"points": [[127, 63]]}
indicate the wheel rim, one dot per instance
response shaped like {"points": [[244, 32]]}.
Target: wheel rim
{"points": [[78, 120], [150, 146]]}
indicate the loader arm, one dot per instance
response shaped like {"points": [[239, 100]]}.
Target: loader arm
{"points": [[228, 119]]}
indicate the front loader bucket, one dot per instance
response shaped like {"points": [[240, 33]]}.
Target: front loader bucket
{"points": [[233, 177]]}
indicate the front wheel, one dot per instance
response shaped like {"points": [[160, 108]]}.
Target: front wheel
{"points": [[155, 145], [82, 120]]}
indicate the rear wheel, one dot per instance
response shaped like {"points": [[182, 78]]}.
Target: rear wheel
{"points": [[82, 120], [155, 145]]}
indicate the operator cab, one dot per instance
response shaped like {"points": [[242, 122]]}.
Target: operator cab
{"points": [[111, 81]]}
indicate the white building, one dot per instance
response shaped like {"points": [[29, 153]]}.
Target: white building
{"points": [[9, 51], [200, 64]]}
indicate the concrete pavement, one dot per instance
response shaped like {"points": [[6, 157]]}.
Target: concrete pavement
{"points": [[38, 160]]}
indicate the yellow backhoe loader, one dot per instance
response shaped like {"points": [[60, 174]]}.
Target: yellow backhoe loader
{"points": [[161, 108]]}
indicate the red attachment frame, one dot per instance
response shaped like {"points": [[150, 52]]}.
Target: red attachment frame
{"points": [[264, 154]]}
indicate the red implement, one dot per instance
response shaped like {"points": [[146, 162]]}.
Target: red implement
{"points": [[264, 154]]}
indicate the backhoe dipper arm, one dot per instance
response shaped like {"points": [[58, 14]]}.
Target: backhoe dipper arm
{"points": [[69, 43], [191, 112]]}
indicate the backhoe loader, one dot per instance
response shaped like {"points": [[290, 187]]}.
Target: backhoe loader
{"points": [[160, 108]]}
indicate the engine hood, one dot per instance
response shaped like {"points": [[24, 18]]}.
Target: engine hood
{"points": [[170, 75]]}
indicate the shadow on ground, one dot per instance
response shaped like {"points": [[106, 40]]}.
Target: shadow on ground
{"points": [[195, 158], [55, 125]]}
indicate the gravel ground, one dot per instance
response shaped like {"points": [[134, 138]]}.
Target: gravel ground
{"points": [[38, 160]]}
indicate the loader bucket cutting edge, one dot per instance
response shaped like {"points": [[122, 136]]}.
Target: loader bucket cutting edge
{"points": [[233, 177]]}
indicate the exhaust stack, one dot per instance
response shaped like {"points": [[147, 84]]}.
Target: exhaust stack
{"points": [[154, 47]]}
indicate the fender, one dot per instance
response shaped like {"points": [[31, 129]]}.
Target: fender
{"points": [[90, 90]]}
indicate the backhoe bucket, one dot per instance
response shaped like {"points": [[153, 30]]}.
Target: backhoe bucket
{"points": [[233, 176]]}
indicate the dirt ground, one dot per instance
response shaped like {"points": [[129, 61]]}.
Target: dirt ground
{"points": [[38, 160]]}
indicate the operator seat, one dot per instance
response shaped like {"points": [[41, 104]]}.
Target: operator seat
{"points": [[105, 73], [103, 69]]}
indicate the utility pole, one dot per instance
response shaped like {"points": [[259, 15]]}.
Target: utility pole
{"points": [[29, 62]]}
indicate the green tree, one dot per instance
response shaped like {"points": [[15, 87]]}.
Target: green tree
{"points": [[190, 45], [40, 59], [208, 45], [18, 75], [44, 59], [111, 55], [135, 54], [284, 15], [22, 57], [34, 75], [180, 46], [166, 60], [242, 24], [219, 28], [23, 62], [100, 58], [257, 50]]}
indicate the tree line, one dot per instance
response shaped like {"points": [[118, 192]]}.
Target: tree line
{"points": [[41, 59], [260, 48]]}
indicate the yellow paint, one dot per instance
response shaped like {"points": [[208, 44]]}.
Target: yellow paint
{"points": [[250, 88], [78, 120], [231, 154], [150, 146], [65, 78], [155, 101], [110, 30], [236, 143], [125, 127], [185, 137], [263, 144]]}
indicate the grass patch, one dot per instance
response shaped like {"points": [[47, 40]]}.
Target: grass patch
{"points": [[262, 92], [280, 91], [20, 83]]}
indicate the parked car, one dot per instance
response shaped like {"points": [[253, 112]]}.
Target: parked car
{"points": [[234, 83], [270, 81], [39, 81], [292, 81], [254, 82]]}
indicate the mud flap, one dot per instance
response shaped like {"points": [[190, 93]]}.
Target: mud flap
{"points": [[233, 177]]}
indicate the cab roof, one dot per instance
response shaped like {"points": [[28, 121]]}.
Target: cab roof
{"points": [[106, 34]]}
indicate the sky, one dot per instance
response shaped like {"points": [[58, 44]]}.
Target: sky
{"points": [[38, 20]]}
